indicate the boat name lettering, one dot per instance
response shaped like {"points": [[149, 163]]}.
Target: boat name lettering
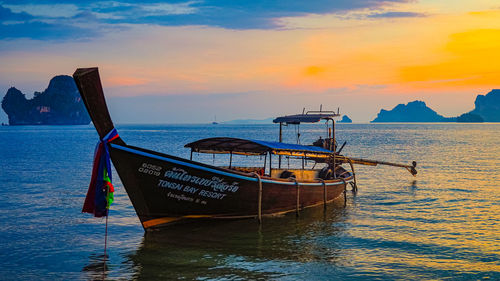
{"points": [[180, 197], [216, 183], [212, 194], [171, 185], [190, 190]]}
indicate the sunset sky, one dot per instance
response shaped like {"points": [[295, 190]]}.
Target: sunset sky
{"points": [[186, 61]]}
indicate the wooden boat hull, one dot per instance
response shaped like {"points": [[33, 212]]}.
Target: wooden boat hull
{"points": [[166, 189]]}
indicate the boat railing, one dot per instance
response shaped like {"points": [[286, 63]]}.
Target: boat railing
{"points": [[258, 170]]}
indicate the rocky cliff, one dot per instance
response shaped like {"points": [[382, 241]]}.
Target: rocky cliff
{"points": [[415, 111], [469, 118], [59, 104], [488, 106]]}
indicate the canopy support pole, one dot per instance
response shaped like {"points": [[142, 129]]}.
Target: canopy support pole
{"points": [[270, 163], [280, 140], [332, 147], [265, 161]]}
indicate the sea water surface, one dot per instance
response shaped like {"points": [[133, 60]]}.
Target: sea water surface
{"points": [[441, 225]]}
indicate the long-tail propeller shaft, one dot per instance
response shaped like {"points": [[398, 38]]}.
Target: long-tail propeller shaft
{"points": [[411, 168]]}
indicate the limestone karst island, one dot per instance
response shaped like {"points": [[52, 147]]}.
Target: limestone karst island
{"points": [[59, 104], [487, 109]]}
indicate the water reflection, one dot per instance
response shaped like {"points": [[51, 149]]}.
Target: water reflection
{"points": [[96, 269], [413, 185], [242, 249]]}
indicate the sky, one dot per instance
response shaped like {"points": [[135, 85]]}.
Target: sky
{"points": [[189, 61]]}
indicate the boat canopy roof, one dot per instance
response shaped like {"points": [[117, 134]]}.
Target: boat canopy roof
{"points": [[256, 147], [309, 117]]}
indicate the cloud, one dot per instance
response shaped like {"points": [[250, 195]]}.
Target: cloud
{"points": [[42, 30], [314, 70], [7, 15], [170, 9], [49, 15], [44, 24], [397, 15], [474, 62], [134, 12], [256, 14], [45, 10], [124, 81]]}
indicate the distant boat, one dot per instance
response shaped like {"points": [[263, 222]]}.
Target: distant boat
{"points": [[215, 120], [166, 189]]}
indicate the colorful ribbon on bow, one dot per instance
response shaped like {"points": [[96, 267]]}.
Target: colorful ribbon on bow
{"points": [[100, 192]]}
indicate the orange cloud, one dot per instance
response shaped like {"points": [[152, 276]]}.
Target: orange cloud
{"points": [[314, 70], [474, 61], [486, 14], [118, 81]]}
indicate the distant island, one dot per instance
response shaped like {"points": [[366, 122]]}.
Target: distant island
{"points": [[415, 111], [345, 119], [59, 104], [487, 108]]}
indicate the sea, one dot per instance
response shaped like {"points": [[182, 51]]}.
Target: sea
{"points": [[442, 224]]}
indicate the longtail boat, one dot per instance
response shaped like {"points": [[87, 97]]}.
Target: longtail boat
{"points": [[166, 189]]}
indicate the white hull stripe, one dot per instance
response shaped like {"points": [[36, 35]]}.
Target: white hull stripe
{"points": [[131, 150]]}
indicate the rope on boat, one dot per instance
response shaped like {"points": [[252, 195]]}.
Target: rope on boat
{"points": [[345, 191], [259, 202], [297, 209], [355, 186], [324, 191]]}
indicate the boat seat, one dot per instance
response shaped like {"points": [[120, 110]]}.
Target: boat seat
{"points": [[299, 173]]}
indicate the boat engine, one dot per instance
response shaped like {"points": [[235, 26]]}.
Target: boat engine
{"points": [[327, 143], [325, 173]]}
